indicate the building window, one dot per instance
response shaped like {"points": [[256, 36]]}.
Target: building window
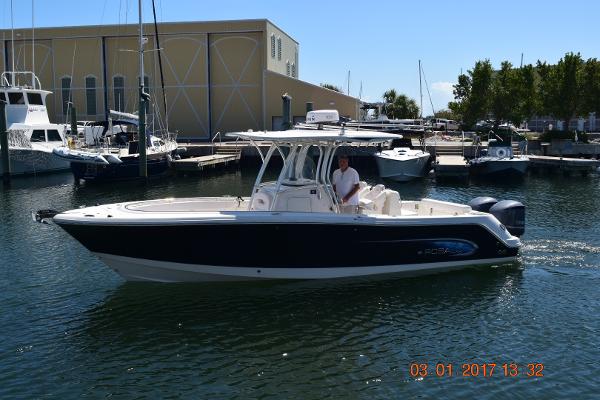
{"points": [[90, 95], [65, 85], [279, 48], [119, 93], [287, 67], [272, 45], [293, 70]]}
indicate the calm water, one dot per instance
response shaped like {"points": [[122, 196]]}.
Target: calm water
{"points": [[70, 327]]}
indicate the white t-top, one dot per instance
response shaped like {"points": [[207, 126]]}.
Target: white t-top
{"points": [[344, 182]]}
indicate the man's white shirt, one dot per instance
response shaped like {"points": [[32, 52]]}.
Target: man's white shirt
{"points": [[344, 182]]}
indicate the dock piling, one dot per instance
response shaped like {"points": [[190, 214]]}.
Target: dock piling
{"points": [[5, 154], [287, 112]]}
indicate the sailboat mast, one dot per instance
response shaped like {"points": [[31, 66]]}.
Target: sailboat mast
{"points": [[12, 45], [142, 107], [32, 44], [420, 92], [348, 92]]}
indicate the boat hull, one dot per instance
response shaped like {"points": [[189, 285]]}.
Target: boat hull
{"points": [[246, 251], [30, 161], [402, 170], [503, 166], [143, 270], [128, 169]]}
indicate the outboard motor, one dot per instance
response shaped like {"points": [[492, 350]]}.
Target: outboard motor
{"points": [[482, 204], [511, 214]]}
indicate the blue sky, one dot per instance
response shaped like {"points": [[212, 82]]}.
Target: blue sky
{"points": [[379, 42]]}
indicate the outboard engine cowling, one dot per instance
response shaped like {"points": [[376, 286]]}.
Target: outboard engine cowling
{"points": [[511, 214], [483, 203]]}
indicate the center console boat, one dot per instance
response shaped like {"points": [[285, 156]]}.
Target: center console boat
{"points": [[292, 228]]}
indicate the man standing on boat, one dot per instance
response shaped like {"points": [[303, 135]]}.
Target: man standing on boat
{"points": [[345, 183]]}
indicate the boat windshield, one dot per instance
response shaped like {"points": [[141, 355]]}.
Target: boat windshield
{"points": [[300, 167]]}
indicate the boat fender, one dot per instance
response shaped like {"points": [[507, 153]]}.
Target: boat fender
{"points": [[482, 204], [112, 159], [511, 214]]}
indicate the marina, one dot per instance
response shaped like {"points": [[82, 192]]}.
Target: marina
{"points": [[90, 333], [196, 205]]}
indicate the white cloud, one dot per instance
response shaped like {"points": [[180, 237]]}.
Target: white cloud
{"points": [[441, 94], [444, 87]]}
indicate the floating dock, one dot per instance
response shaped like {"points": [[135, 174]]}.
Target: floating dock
{"points": [[564, 163], [199, 163], [451, 166]]}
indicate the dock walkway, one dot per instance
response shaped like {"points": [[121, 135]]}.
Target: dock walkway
{"points": [[198, 163], [564, 163], [451, 166]]}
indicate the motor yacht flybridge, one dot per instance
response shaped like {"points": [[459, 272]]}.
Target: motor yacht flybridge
{"points": [[31, 135], [290, 228]]}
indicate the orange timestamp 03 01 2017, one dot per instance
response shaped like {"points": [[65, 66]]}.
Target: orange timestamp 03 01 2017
{"points": [[486, 370]]}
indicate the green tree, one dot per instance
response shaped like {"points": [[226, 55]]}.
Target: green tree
{"points": [[561, 88], [478, 104], [462, 91], [504, 88], [527, 94], [473, 93], [446, 114], [590, 86], [400, 106], [331, 87]]}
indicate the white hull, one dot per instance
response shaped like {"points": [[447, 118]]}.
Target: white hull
{"points": [[402, 168], [31, 161], [136, 269]]}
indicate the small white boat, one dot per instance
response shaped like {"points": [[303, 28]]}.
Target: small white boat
{"points": [[31, 136], [499, 160], [402, 164]]}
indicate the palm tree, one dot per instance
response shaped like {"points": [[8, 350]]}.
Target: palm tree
{"points": [[400, 106]]}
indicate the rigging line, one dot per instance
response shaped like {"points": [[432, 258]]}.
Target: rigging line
{"points": [[70, 99], [160, 66], [427, 87]]}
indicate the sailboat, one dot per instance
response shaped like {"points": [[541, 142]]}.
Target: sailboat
{"points": [[113, 156]]}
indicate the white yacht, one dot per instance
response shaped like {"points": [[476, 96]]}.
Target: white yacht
{"points": [[402, 164], [31, 135], [291, 228]]}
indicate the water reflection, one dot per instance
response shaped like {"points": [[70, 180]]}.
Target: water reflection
{"points": [[292, 310]]}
